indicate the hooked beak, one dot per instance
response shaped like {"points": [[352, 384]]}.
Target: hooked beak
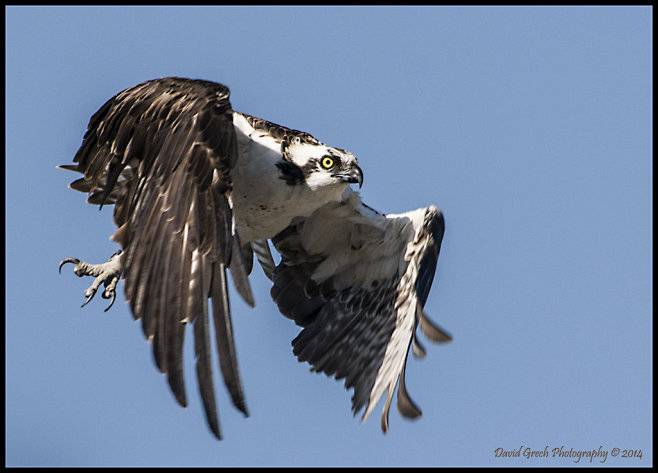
{"points": [[355, 176]]}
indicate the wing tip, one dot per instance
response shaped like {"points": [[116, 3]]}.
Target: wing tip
{"points": [[431, 330], [69, 167], [242, 407]]}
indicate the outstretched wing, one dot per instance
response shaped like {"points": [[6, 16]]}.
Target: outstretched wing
{"points": [[356, 281], [162, 152]]}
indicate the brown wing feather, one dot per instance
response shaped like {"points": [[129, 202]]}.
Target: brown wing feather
{"points": [[162, 152]]}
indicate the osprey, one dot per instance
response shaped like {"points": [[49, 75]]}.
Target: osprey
{"points": [[198, 188]]}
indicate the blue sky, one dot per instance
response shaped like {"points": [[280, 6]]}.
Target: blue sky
{"points": [[529, 127]]}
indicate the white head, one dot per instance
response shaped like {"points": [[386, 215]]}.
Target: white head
{"points": [[322, 166]]}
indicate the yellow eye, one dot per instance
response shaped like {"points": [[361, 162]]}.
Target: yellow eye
{"points": [[327, 162]]}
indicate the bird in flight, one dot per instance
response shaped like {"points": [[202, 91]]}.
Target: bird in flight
{"points": [[198, 189]]}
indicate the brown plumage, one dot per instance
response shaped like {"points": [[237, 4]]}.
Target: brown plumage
{"points": [[162, 152]]}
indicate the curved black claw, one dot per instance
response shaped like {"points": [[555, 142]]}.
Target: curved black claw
{"points": [[112, 296], [91, 295], [75, 261]]}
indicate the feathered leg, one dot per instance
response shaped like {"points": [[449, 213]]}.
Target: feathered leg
{"points": [[106, 273]]}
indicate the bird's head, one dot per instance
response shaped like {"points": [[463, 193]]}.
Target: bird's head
{"points": [[324, 167]]}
